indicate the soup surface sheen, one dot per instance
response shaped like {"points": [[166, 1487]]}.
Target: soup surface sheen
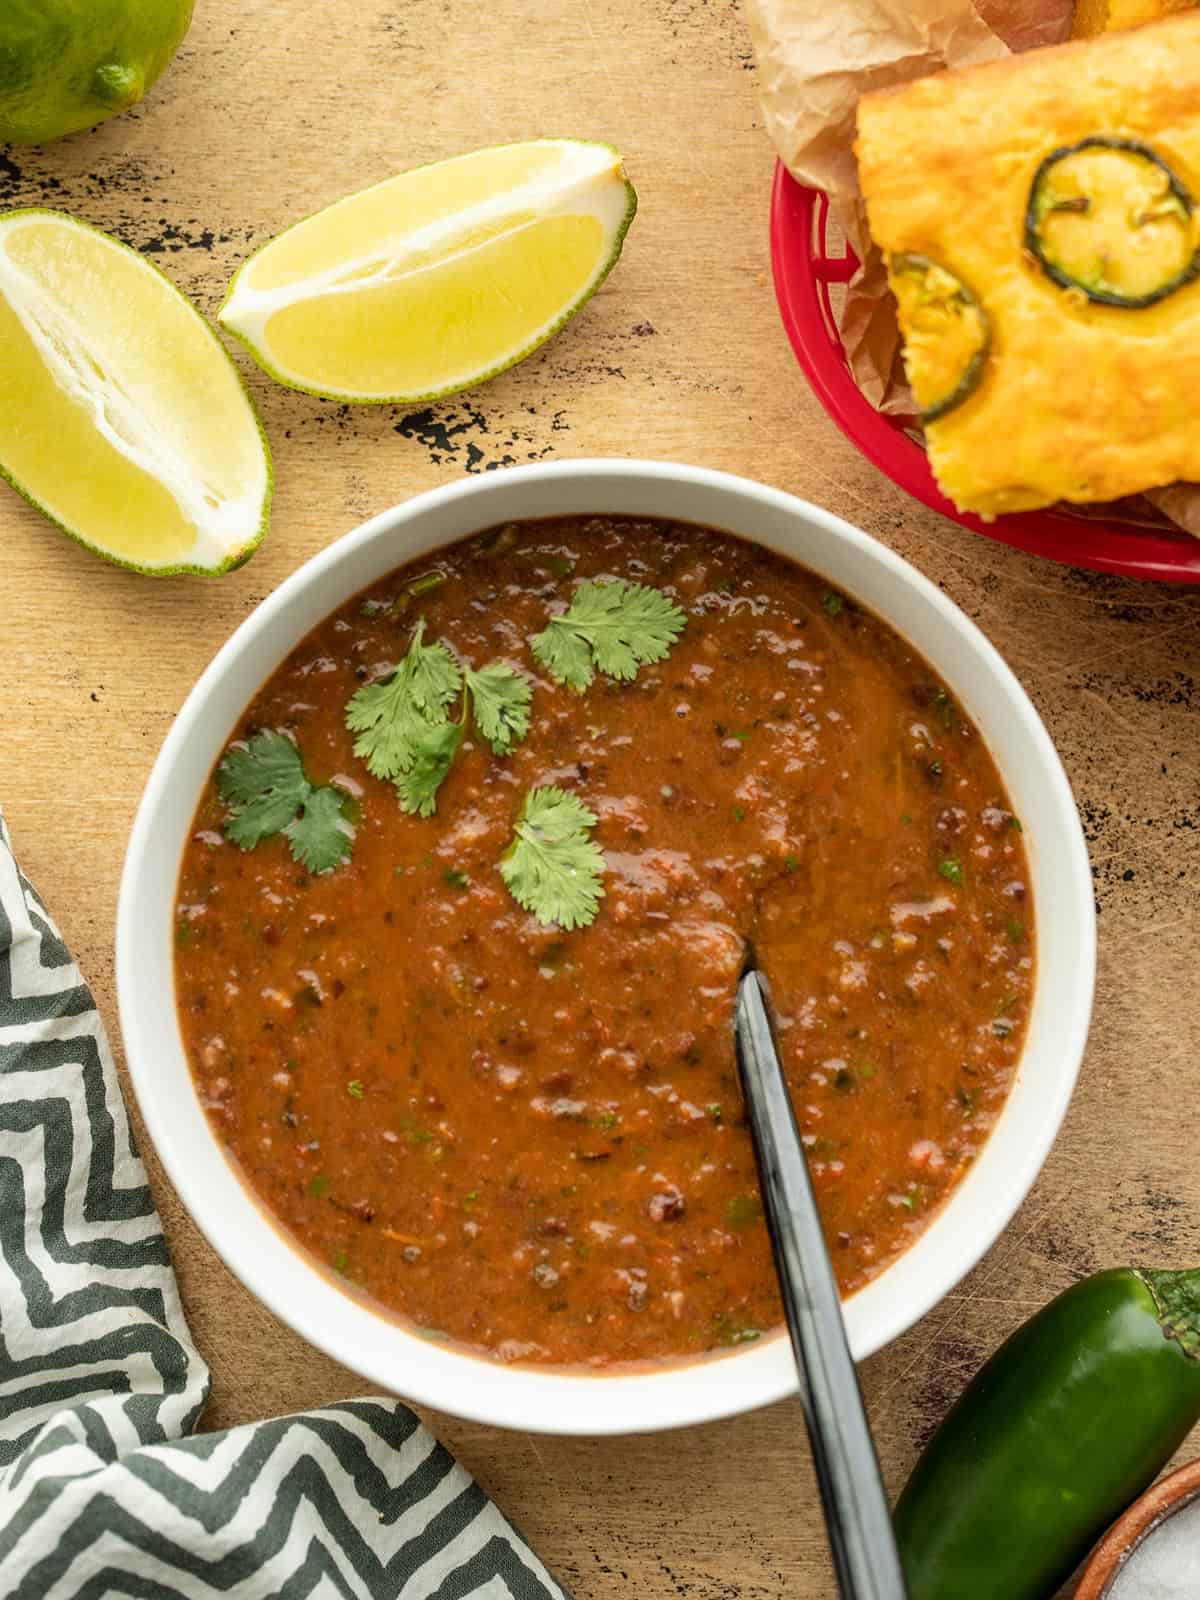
{"points": [[530, 1142]]}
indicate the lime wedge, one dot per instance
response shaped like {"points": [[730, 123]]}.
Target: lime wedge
{"points": [[438, 278], [122, 417]]}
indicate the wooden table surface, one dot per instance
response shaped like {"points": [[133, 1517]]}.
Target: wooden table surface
{"points": [[272, 110]]}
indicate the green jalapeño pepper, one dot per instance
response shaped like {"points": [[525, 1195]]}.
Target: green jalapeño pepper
{"points": [[1062, 1429], [947, 335], [1109, 219]]}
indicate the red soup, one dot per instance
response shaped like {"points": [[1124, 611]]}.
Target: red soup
{"points": [[503, 1104]]}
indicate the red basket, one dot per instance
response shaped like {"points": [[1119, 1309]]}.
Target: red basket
{"points": [[804, 272]]}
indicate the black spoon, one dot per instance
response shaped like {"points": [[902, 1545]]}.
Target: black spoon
{"points": [[856, 1509]]}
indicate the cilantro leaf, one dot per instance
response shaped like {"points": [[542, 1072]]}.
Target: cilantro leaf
{"points": [[435, 677], [264, 785], [268, 792], [431, 751], [566, 656], [320, 838], [613, 628], [391, 716], [500, 696], [552, 867], [268, 761]]}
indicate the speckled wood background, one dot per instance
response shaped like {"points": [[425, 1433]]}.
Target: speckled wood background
{"points": [[273, 109]]}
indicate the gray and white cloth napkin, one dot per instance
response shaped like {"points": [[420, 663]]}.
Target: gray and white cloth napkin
{"points": [[105, 1488]]}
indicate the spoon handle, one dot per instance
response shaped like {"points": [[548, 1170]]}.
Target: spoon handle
{"points": [[856, 1509]]}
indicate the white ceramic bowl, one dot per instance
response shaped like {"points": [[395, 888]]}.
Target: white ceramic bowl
{"points": [[542, 1400]]}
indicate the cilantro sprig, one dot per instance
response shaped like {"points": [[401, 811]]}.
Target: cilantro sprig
{"points": [[392, 716], [553, 868], [405, 733], [613, 628], [268, 792]]}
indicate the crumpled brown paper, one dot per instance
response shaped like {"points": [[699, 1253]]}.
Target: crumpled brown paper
{"points": [[1026, 24], [1180, 502], [816, 58]]}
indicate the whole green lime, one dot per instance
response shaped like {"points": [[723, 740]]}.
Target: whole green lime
{"points": [[69, 64]]}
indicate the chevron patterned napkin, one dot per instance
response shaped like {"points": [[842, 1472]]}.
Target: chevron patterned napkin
{"points": [[104, 1488]]}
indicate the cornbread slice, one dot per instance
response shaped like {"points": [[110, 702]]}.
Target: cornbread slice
{"points": [[1072, 399], [1104, 16]]}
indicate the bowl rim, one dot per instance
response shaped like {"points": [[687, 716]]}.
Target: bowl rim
{"points": [[276, 1270]]}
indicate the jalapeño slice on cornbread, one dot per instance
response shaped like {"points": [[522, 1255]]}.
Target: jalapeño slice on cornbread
{"points": [[947, 334], [1110, 218], [1056, 188]]}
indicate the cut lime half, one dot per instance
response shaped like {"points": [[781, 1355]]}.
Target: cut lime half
{"points": [[437, 279], [122, 417]]}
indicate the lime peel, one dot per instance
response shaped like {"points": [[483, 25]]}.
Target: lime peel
{"points": [[67, 65], [119, 86]]}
